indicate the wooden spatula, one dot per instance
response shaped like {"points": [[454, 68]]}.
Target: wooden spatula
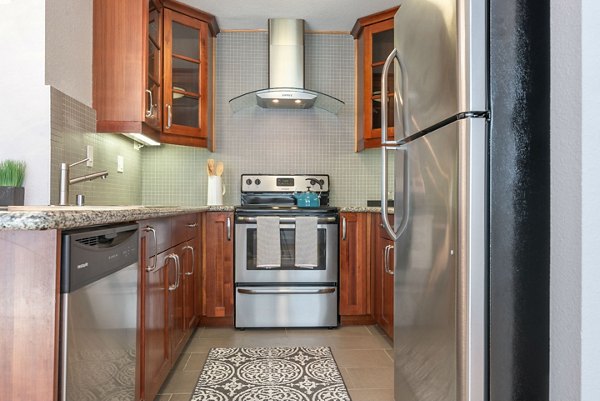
{"points": [[219, 168]]}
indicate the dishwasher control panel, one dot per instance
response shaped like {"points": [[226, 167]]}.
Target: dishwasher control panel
{"points": [[92, 253]]}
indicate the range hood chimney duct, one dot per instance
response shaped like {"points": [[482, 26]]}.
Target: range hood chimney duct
{"points": [[286, 73]]}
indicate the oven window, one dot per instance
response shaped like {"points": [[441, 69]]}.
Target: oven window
{"points": [[288, 250]]}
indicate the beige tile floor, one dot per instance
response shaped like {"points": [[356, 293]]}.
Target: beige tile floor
{"points": [[363, 354]]}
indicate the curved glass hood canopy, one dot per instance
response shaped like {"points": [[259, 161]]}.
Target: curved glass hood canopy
{"points": [[286, 74]]}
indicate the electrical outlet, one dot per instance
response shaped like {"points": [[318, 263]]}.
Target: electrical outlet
{"points": [[120, 164], [89, 150]]}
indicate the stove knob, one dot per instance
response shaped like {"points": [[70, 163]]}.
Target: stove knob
{"points": [[257, 181], [248, 181]]}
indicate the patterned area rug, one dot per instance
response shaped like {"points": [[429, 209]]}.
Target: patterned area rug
{"points": [[270, 374]]}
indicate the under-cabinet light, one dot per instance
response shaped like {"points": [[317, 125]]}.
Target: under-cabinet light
{"points": [[141, 138]]}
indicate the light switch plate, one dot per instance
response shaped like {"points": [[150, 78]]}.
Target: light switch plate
{"points": [[120, 164]]}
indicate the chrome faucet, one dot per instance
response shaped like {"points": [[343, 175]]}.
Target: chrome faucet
{"points": [[65, 180]]}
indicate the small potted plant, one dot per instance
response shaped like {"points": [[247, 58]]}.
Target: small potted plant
{"points": [[12, 174]]}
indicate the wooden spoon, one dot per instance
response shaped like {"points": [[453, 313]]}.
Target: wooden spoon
{"points": [[211, 166], [219, 168]]}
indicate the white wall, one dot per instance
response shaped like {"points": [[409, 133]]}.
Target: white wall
{"points": [[590, 213], [43, 43], [24, 98], [575, 191], [69, 47]]}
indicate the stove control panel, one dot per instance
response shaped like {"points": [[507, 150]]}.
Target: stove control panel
{"points": [[285, 183]]}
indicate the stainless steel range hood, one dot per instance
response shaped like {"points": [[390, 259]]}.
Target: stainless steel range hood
{"points": [[286, 74]]}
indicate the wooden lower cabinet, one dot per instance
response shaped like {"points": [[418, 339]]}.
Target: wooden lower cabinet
{"points": [[384, 281], [29, 325], [156, 361], [168, 298], [366, 290], [217, 282], [355, 274]]}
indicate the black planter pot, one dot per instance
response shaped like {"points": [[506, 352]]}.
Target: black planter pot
{"points": [[12, 196]]}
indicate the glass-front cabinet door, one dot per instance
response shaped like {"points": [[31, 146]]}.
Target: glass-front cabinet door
{"points": [[185, 75], [380, 43], [153, 95], [374, 36]]}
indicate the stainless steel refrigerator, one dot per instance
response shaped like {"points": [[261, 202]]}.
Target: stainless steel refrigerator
{"points": [[440, 178]]}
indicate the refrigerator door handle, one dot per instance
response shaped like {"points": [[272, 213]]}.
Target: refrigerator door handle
{"points": [[405, 192], [393, 145]]}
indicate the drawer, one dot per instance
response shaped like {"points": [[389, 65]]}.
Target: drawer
{"points": [[162, 228], [184, 227], [306, 306]]}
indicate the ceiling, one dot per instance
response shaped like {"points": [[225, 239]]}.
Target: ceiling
{"points": [[320, 15]]}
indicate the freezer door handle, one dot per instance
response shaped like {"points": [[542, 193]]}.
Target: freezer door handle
{"points": [[284, 291], [394, 55]]}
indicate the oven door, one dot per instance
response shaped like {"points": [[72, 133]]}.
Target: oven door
{"points": [[245, 257]]}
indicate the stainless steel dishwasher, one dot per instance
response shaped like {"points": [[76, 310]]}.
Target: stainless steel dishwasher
{"points": [[99, 282]]}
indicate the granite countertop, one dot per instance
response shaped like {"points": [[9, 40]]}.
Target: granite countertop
{"points": [[65, 217], [364, 209]]}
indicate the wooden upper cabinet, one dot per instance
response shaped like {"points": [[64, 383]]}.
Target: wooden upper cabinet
{"points": [[152, 70], [119, 64], [185, 79], [374, 41]]}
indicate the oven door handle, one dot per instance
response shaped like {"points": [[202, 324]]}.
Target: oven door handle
{"points": [[283, 292], [285, 220]]}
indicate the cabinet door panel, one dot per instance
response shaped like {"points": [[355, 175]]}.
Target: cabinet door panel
{"points": [[375, 42], [157, 353], [355, 280], [218, 271], [185, 76], [384, 282], [189, 261], [153, 98], [176, 301]]}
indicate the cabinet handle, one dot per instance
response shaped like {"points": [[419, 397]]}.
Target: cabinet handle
{"points": [[228, 224], [169, 116], [343, 228], [150, 110], [192, 225], [386, 259], [175, 258], [191, 248], [153, 231]]}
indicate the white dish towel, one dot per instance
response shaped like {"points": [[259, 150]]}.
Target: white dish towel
{"points": [[268, 243], [306, 242]]}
